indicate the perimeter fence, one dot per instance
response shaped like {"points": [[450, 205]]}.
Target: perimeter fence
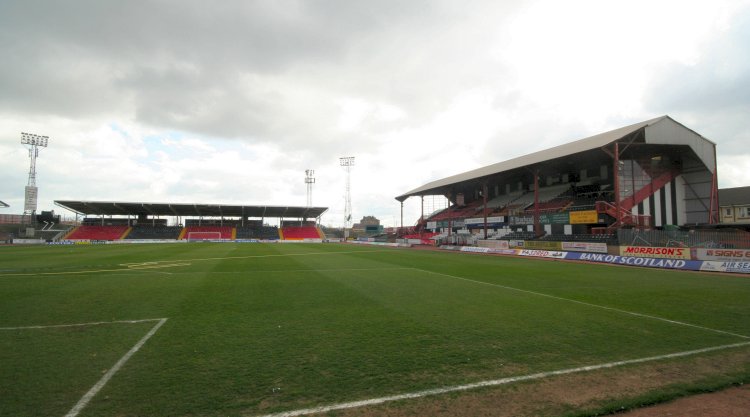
{"points": [[724, 239]]}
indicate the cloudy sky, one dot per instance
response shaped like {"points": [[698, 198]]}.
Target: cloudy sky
{"points": [[230, 102]]}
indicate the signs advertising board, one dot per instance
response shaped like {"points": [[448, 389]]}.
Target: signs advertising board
{"points": [[432, 225], [542, 253], [30, 198], [521, 220], [596, 247], [638, 261], [495, 244], [541, 244], [584, 217], [717, 266], [480, 220], [727, 255], [475, 249], [655, 252], [554, 218]]}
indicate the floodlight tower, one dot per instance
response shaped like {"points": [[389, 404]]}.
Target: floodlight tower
{"points": [[30, 196], [347, 162], [309, 181]]}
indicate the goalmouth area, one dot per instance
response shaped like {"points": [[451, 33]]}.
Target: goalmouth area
{"points": [[336, 329]]}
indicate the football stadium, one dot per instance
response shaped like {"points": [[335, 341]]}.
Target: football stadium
{"points": [[591, 278]]}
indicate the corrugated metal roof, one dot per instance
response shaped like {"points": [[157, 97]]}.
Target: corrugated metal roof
{"points": [[119, 208], [582, 145]]}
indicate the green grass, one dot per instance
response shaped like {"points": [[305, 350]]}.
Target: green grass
{"points": [[259, 328]]}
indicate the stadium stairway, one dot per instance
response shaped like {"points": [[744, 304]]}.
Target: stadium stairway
{"points": [[648, 190], [125, 233], [70, 232]]}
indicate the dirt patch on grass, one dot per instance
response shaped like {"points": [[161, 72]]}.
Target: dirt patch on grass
{"points": [[594, 393], [731, 402]]}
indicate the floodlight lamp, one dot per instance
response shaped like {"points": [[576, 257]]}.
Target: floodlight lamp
{"points": [[34, 140], [347, 161]]}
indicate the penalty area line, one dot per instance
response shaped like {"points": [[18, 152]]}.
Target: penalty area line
{"points": [[93, 323], [83, 402], [494, 382]]}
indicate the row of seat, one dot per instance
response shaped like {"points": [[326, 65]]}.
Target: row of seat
{"points": [[301, 232], [98, 233], [90, 232], [551, 199]]}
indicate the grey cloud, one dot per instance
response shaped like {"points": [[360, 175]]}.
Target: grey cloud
{"points": [[711, 96], [177, 65]]}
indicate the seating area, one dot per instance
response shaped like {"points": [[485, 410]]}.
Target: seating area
{"points": [[519, 236], [426, 235], [545, 194], [503, 200], [601, 237], [154, 232], [105, 221], [98, 233], [551, 206], [207, 232], [300, 232], [258, 232], [508, 210], [454, 212]]}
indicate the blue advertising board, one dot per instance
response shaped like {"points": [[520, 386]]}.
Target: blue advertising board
{"points": [[637, 261]]}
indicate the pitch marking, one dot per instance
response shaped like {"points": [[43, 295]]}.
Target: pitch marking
{"points": [[632, 313], [94, 323], [277, 255], [107, 376], [155, 265], [494, 382], [182, 262]]}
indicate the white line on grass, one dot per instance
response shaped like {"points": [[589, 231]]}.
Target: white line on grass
{"points": [[632, 313], [281, 271], [179, 263], [277, 255], [107, 376], [95, 323], [494, 382], [154, 265], [85, 271]]}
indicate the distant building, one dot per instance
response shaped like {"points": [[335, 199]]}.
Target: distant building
{"points": [[734, 205], [368, 224]]}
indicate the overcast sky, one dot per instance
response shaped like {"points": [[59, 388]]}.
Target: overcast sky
{"points": [[230, 102]]}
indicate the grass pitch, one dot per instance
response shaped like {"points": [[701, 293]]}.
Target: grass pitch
{"points": [[254, 329]]}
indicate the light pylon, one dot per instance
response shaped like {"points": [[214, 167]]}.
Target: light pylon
{"points": [[347, 162], [309, 181], [30, 194]]}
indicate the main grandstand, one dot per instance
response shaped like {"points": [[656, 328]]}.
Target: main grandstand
{"points": [[656, 174], [109, 221]]}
